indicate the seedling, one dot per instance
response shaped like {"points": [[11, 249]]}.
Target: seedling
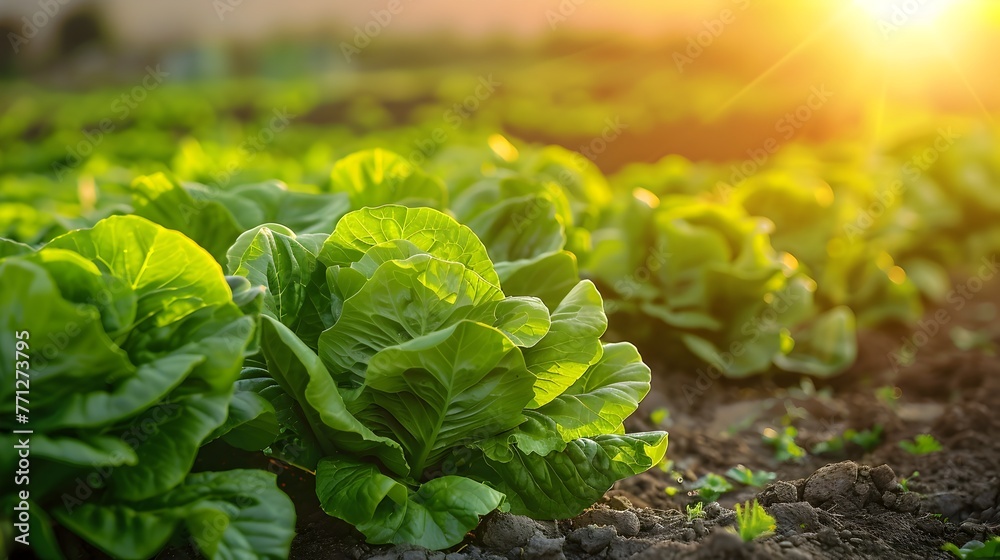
{"points": [[785, 448], [753, 522], [889, 396], [975, 550], [711, 486], [965, 339], [865, 439], [695, 511], [658, 416], [743, 475], [905, 482], [923, 444]]}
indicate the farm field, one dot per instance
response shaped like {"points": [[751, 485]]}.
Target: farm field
{"points": [[576, 293]]}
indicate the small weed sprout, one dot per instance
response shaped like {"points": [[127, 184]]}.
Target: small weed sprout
{"points": [[753, 522], [659, 416], [889, 396], [905, 482], [695, 511], [743, 475], [785, 448], [923, 444], [865, 439], [711, 486]]}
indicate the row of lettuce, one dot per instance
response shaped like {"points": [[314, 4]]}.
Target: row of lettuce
{"points": [[427, 341], [722, 266], [424, 382]]}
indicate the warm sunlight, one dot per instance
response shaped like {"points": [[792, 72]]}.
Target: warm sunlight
{"points": [[897, 13]]}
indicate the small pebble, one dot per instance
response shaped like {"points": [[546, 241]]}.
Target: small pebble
{"points": [[855, 541], [786, 544], [845, 535]]}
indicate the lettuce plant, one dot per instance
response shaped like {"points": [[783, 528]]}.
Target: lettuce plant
{"points": [[708, 272], [420, 393], [134, 341], [825, 229], [214, 217]]}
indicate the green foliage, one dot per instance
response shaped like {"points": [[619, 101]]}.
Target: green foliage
{"points": [[889, 396], [695, 511], [975, 550], [135, 342], [905, 482], [922, 444], [659, 416], [728, 299], [783, 442], [421, 394], [753, 521], [743, 475], [711, 487], [867, 440]]}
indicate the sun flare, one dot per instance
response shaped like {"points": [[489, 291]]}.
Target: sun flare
{"points": [[905, 12]]}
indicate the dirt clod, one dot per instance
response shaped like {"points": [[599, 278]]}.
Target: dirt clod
{"points": [[883, 477], [592, 539], [543, 548], [889, 500], [626, 522], [713, 510], [780, 492], [699, 527], [620, 503], [908, 502], [798, 517], [503, 531], [830, 481], [948, 504]]}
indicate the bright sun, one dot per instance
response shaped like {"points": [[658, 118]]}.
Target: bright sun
{"points": [[901, 13]]}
